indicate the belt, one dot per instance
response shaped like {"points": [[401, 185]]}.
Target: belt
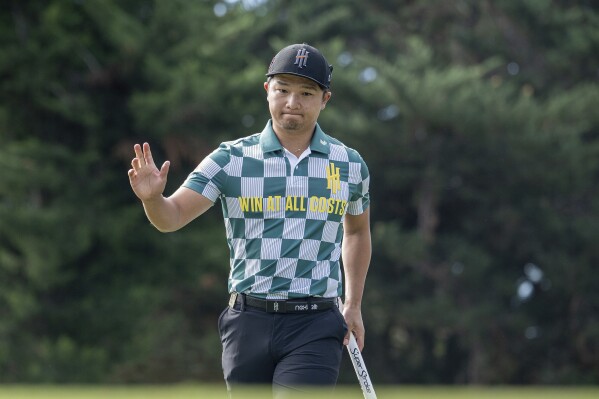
{"points": [[301, 305]]}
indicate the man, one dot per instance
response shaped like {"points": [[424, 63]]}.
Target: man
{"points": [[290, 196]]}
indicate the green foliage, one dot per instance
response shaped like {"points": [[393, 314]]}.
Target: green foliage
{"points": [[477, 120]]}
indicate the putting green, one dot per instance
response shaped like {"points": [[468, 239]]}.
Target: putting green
{"points": [[194, 391]]}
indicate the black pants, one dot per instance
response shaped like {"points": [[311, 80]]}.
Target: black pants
{"points": [[289, 351]]}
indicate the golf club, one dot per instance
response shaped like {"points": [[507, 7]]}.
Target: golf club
{"points": [[359, 365]]}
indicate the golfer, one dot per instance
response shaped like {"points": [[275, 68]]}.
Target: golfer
{"points": [[295, 202]]}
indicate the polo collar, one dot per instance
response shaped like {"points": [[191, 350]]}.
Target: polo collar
{"points": [[270, 143], [320, 141]]}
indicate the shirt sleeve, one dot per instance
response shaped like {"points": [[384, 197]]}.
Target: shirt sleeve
{"points": [[360, 197], [209, 177]]}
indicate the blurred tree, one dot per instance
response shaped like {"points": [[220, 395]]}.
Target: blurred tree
{"points": [[476, 119], [89, 290]]}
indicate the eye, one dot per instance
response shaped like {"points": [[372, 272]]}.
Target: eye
{"points": [[307, 93]]}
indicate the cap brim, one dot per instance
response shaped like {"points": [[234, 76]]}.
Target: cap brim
{"points": [[300, 75]]}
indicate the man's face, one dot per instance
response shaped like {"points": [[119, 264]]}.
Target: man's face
{"points": [[294, 102]]}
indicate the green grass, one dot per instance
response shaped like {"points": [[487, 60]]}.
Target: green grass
{"points": [[345, 392]]}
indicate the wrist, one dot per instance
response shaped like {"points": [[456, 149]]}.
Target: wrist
{"points": [[352, 304], [153, 200]]}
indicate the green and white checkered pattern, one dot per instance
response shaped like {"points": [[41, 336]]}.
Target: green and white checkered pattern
{"points": [[284, 227]]}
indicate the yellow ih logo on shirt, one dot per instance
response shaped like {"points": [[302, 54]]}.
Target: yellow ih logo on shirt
{"points": [[333, 181]]}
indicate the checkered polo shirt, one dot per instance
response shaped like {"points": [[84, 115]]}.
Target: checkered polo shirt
{"points": [[284, 227]]}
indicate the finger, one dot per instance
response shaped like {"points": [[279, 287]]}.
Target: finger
{"points": [[164, 169], [346, 339], [359, 335], [132, 177], [148, 154], [135, 164], [139, 154], [360, 341]]}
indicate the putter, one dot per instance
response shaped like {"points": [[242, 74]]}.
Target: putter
{"points": [[359, 365]]}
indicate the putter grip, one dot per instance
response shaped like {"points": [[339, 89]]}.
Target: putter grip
{"points": [[360, 368]]}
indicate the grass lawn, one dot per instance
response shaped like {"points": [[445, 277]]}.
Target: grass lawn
{"points": [[345, 392]]}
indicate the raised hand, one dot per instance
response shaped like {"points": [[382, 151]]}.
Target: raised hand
{"points": [[146, 180]]}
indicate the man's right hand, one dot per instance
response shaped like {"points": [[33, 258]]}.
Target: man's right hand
{"points": [[146, 180]]}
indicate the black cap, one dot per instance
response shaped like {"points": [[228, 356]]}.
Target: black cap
{"points": [[302, 60]]}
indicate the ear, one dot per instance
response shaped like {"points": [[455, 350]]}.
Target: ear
{"points": [[266, 86], [325, 99]]}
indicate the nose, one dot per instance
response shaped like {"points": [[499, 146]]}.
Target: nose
{"points": [[293, 101]]}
